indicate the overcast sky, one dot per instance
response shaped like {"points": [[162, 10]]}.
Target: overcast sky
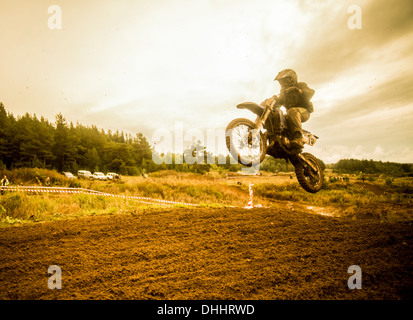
{"points": [[138, 66]]}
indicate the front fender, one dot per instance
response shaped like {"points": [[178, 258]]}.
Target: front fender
{"points": [[251, 106]]}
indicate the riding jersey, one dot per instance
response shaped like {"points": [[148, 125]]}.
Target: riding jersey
{"points": [[293, 98]]}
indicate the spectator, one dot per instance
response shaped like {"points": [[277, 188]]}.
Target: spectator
{"points": [[4, 183]]}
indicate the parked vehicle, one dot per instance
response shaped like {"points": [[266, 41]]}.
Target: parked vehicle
{"points": [[85, 174], [112, 175], [99, 176], [69, 175]]}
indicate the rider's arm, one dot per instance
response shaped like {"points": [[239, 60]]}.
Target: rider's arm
{"points": [[306, 91]]}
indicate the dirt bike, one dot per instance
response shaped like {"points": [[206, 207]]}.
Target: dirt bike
{"points": [[249, 142]]}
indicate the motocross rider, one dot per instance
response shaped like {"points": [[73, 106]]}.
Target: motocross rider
{"points": [[295, 97]]}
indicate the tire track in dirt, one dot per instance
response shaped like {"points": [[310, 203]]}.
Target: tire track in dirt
{"points": [[203, 253]]}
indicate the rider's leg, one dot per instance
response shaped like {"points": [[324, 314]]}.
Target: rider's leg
{"points": [[295, 116]]}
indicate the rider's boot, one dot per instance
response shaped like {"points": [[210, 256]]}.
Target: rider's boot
{"points": [[297, 143], [295, 116]]}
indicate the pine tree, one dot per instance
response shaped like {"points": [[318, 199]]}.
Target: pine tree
{"points": [[5, 137], [61, 146]]}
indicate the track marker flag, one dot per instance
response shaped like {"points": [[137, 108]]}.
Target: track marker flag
{"points": [[250, 201], [250, 204]]}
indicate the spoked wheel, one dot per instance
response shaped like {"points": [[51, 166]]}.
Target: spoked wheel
{"points": [[245, 143], [309, 173]]}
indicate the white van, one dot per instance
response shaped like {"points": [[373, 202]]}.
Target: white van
{"points": [[99, 176], [112, 175], [84, 174]]}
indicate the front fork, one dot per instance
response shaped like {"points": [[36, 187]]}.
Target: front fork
{"points": [[260, 121]]}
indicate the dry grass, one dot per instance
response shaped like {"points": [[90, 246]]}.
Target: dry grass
{"points": [[377, 199]]}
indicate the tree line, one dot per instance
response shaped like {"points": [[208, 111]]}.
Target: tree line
{"points": [[29, 141], [33, 142], [373, 167]]}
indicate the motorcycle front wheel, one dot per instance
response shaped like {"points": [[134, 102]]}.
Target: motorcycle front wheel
{"points": [[245, 143]]}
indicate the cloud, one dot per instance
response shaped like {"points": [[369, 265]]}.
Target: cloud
{"points": [[333, 154], [139, 66], [331, 48]]}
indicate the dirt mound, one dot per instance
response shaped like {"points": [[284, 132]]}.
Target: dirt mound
{"points": [[205, 253]]}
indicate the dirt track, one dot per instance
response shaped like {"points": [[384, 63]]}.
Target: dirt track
{"points": [[208, 254]]}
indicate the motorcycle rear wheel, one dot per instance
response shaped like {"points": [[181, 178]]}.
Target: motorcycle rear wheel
{"points": [[309, 180], [244, 143]]}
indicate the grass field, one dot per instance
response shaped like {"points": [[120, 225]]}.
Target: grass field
{"points": [[376, 199]]}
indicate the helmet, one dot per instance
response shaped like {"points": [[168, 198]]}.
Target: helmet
{"points": [[287, 73]]}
